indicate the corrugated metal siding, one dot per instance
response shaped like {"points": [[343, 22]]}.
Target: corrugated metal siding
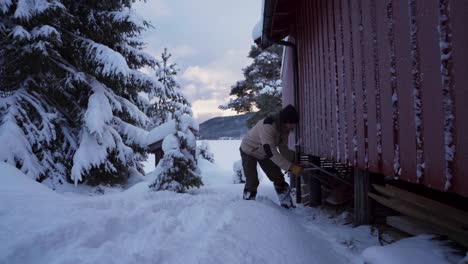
{"points": [[383, 86]]}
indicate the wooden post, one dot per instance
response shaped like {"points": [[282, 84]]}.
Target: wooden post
{"points": [[298, 189], [315, 187], [362, 209]]}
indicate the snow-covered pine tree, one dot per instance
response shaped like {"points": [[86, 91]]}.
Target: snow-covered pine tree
{"points": [[203, 152], [261, 86], [178, 170], [69, 102], [164, 107]]}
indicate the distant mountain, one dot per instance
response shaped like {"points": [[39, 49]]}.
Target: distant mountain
{"points": [[224, 127]]}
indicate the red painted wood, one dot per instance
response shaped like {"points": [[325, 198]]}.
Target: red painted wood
{"points": [[384, 50], [360, 81], [348, 80], [305, 77], [406, 113], [316, 61], [372, 86], [320, 78], [339, 80], [331, 98], [302, 67], [310, 78], [327, 82], [433, 120], [320, 39], [458, 22]]}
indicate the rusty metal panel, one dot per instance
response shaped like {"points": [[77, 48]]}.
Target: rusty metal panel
{"points": [[404, 90], [387, 75], [458, 21], [432, 114]]}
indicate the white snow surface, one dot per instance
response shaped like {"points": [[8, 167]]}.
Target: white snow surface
{"points": [[207, 225]]}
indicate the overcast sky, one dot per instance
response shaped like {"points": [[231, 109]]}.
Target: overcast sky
{"points": [[209, 40]]}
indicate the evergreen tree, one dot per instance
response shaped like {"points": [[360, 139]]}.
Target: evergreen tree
{"points": [[178, 171], [261, 87], [69, 103], [164, 107], [203, 151]]}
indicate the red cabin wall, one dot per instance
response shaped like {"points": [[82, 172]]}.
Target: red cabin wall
{"points": [[383, 86]]}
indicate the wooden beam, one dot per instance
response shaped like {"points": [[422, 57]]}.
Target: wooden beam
{"points": [[362, 208], [435, 207], [451, 229], [412, 226]]}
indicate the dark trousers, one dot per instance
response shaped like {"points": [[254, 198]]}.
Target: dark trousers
{"points": [[272, 171]]}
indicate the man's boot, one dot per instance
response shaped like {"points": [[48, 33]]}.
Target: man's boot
{"points": [[284, 196], [249, 195]]}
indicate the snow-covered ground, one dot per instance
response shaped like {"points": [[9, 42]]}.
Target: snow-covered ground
{"points": [[207, 225]]}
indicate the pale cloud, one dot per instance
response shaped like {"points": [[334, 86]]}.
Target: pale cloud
{"points": [[182, 51], [209, 45], [206, 109], [208, 86], [153, 9]]}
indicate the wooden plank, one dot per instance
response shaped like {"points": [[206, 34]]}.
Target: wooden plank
{"points": [[432, 116], [413, 226], [362, 208], [428, 204], [302, 47], [315, 119], [340, 75], [407, 129], [459, 21], [372, 84], [308, 73], [322, 79], [334, 81], [450, 228], [360, 80], [349, 81], [388, 74]]}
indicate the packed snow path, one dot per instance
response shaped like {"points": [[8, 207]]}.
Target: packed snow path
{"points": [[210, 225]]}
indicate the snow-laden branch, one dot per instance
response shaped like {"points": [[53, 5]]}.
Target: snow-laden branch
{"points": [[26, 9], [110, 61]]}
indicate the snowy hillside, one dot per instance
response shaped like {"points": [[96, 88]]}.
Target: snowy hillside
{"points": [[207, 225]]}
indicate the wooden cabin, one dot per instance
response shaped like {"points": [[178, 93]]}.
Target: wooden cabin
{"points": [[382, 91], [157, 135]]}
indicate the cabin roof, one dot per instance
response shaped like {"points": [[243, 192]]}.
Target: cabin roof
{"points": [[278, 15]]}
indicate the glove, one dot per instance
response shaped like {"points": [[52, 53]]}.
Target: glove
{"points": [[296, 169]]}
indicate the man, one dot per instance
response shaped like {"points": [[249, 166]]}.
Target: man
{"points": [[260, 145]]}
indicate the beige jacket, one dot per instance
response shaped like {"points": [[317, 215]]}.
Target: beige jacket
{"points": [[264, 140]]}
